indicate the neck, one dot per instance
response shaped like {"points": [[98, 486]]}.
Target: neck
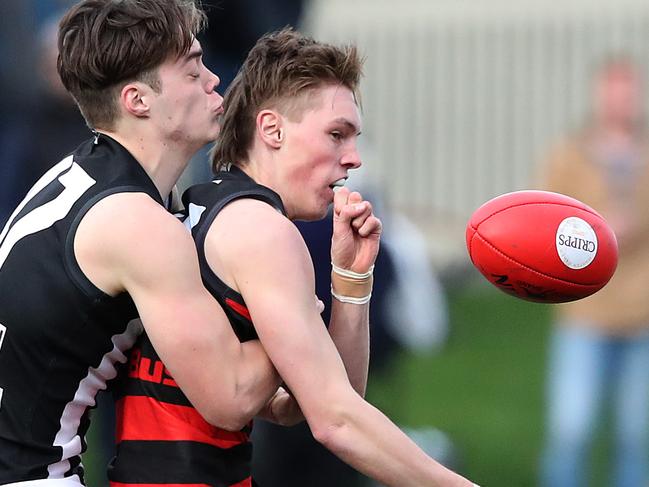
{"points": [[163, 160], [256, 167], [265, 168]]}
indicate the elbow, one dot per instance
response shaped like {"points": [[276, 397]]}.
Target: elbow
{"points": [[229, 419], [328, 428], [239, 417], [335, 420], [325, 434], [235, 423], [245, 411], [231, 414], [331, 435], [234, 413], [233, 410]]}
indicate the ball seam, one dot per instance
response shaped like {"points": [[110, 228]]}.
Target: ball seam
{"points": [[526, 266]]}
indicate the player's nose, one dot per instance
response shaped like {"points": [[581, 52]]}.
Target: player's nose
{"points": [[351, 158]]}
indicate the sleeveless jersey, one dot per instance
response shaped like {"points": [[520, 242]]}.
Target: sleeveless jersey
{"points": [[60, 336], [161, 439]]}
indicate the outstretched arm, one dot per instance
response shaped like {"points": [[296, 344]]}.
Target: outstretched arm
{"points": [[277, 282]]}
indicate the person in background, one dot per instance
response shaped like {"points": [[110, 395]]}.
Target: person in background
{"points": [[599, 351]]}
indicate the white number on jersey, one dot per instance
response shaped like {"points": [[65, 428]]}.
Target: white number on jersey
{"points": [[75, 182]]}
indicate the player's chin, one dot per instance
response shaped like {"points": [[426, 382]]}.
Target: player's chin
{"points": [[328, 201], [329, 195], [215, 132], [315, 212], [314, 215]]}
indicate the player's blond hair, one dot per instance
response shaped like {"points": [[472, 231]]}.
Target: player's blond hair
{"points": [[280, 72]]}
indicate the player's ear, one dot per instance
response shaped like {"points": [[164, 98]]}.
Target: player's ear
{"points": [[270, 129], [134, 98]]}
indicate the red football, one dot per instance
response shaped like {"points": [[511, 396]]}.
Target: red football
{"points": [[542, 246]]}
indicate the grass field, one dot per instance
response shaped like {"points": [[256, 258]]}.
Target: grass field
{"points": [[484, 388]]}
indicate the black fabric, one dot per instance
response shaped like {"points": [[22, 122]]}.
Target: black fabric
{"points": [[226, 187], [180, 462], [57, 326]]}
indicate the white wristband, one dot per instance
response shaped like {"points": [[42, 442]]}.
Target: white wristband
{"points": [[349, 299], [352, 274]]}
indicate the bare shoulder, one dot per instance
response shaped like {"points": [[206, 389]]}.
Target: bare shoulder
{"points": [[132, 212], [252, 225], [255, 230], [124, 234]]}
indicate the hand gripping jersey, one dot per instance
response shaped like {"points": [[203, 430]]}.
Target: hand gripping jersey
{"points": [[60, 336], [161, 439]]}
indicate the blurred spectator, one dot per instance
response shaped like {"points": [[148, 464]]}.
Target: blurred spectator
{"points": [[417, 314], [600, 345]]}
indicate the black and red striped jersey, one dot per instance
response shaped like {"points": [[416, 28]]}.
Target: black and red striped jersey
{"points": [[161, 439], [60, 336]]}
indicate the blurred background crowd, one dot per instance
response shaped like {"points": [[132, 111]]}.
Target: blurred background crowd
{"points": [[462, 100]]}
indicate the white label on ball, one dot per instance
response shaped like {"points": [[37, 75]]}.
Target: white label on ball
{"points": [[576, 242]]}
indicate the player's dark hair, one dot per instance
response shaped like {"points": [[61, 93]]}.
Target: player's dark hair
{"points": [[104, 44], [280, 72]]}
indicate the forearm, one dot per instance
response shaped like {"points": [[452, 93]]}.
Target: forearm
{"points": [[367, 440], [349, 325], [257, 379], [349, 330]]}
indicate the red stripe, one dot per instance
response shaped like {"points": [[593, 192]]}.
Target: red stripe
{"points": [[146, 419], [239, 308]]}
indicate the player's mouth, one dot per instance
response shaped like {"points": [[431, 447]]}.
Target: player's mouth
{"points": [[336, 185]]}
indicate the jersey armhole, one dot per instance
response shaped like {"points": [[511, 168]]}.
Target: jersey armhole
{"points": [[206, 222], [71, 264], [201, 233]]}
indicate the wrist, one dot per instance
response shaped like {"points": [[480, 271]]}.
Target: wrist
{"points": [[351, 287], [351, 274]]}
